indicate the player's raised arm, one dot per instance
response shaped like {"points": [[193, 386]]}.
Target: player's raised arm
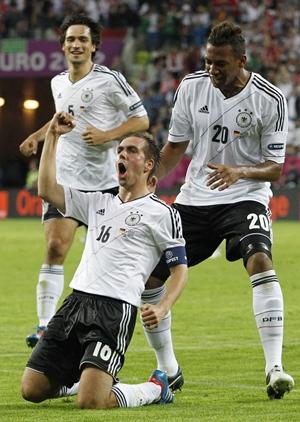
{"points": [[48, 188], [30, 145]]}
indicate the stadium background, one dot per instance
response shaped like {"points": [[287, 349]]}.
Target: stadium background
{"points": [[154, 44]]}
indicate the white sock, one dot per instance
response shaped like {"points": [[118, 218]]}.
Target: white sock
{"points": [[65, 391], [268, 312], [134, 395], [160, 338], [48, 291]]}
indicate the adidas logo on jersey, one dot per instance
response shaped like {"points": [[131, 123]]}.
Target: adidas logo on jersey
{"points": [[101, 211], [203, 109]]}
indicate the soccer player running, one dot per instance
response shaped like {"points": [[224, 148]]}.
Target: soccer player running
{"points": [[237, 124], [106, 108], [127, 234]]}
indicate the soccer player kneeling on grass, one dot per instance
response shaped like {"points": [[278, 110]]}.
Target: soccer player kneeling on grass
{"points": [[127, 235]]}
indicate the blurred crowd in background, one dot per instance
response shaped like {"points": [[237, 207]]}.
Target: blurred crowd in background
{"points": [[164, 40]]}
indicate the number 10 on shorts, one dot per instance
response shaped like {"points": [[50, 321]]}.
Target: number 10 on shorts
{"points": [[102, 350]]}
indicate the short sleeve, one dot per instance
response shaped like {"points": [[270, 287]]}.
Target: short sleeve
{"points": [[180, 126], [124, 98], [275, 130], [169, 234], [77, 204]]}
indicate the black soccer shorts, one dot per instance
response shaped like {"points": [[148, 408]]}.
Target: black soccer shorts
{"points": [[86, 330], [205, 227]]}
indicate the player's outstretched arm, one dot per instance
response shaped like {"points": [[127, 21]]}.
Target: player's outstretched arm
{"points": [[94, 136], [153, 314], [48, 188], [30, 145]]}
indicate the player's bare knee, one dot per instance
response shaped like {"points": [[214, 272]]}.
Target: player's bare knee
{"points": [[260, 261], [87, 403], [30, 392], [55, 251]]}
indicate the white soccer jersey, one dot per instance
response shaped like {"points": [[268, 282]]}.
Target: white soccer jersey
{"points": [[102, 99], [125, 241], [247, 129]]}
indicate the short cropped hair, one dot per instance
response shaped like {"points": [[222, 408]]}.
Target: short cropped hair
{"points": [[227, 33], [81, 19], [151, 149]]}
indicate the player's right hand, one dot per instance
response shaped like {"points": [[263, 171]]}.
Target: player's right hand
{"points": [[61, 123], [29, 146]]}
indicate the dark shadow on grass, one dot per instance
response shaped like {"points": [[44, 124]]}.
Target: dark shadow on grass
{"points": [[49, 404]]}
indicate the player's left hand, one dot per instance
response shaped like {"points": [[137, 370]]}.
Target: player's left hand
{"points": [[93, 136], [151, 315], [222, 176]]}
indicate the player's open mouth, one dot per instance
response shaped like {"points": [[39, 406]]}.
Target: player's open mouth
{"points": [[121, 169]]}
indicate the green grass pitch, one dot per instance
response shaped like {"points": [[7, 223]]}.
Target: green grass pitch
{"points": [[213, 330]]}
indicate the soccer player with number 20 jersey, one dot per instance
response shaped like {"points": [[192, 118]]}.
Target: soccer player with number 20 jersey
{"points": [[236, 124]]}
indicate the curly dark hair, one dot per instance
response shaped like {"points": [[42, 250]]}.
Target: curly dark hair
{"points": [[81, 19], [227, 33]]}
